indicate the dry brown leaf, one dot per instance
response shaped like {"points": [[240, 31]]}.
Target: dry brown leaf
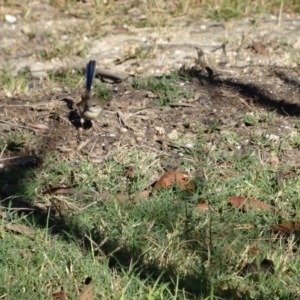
{"points": [[119, 28], [286, 227], [246, 204], [202, 206], [141, 195], [128, 172], [60, 296], [237, 201], [172, 178], [274, 161], [259, 204], [88, 291], [23, 229], [123, 105], [254, 250], [260, 49]]}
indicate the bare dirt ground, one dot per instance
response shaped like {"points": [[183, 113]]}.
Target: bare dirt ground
{"points": [[257, 70]]}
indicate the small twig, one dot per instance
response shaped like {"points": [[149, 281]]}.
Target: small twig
{"points": [[98, 246], [84, 143], [18, 125], [285, 111], [10, 158], [229, 96], [93, 146], [123, 121], [182, 104], [32, 105], [136, 113], [175, 144], [88, 206], [280, 13], [245, 103], [110, 75], [2, 152], [19, 208], [242, 41]]}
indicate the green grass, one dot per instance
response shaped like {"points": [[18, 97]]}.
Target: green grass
{"points": [[159, 248], [68, 78], [165, 89], [13, 84], [162, 247], [102, 91], [59, 49]]}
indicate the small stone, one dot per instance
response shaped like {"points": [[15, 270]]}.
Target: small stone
{"points": [[190, 145], [258, 132], [139, 70], [273, 137], [5, 127], [139, 134], [160, 130], [296, 44], [274, 161], [151, 95], [26, 29], [10, 19], [190, 100], [293, 134], [203, 100], [173, 135], [37, 70]]}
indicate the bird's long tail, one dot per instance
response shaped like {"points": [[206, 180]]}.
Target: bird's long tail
{"points": [[90, 71]]}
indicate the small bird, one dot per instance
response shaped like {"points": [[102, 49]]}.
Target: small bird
{"points": [[89, 107], [201, 63]]}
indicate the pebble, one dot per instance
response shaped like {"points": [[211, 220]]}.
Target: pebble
{"points": [[139, 134], [296, 44], [273, 137], [139, 70], [10, 19], [173, 135]]}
